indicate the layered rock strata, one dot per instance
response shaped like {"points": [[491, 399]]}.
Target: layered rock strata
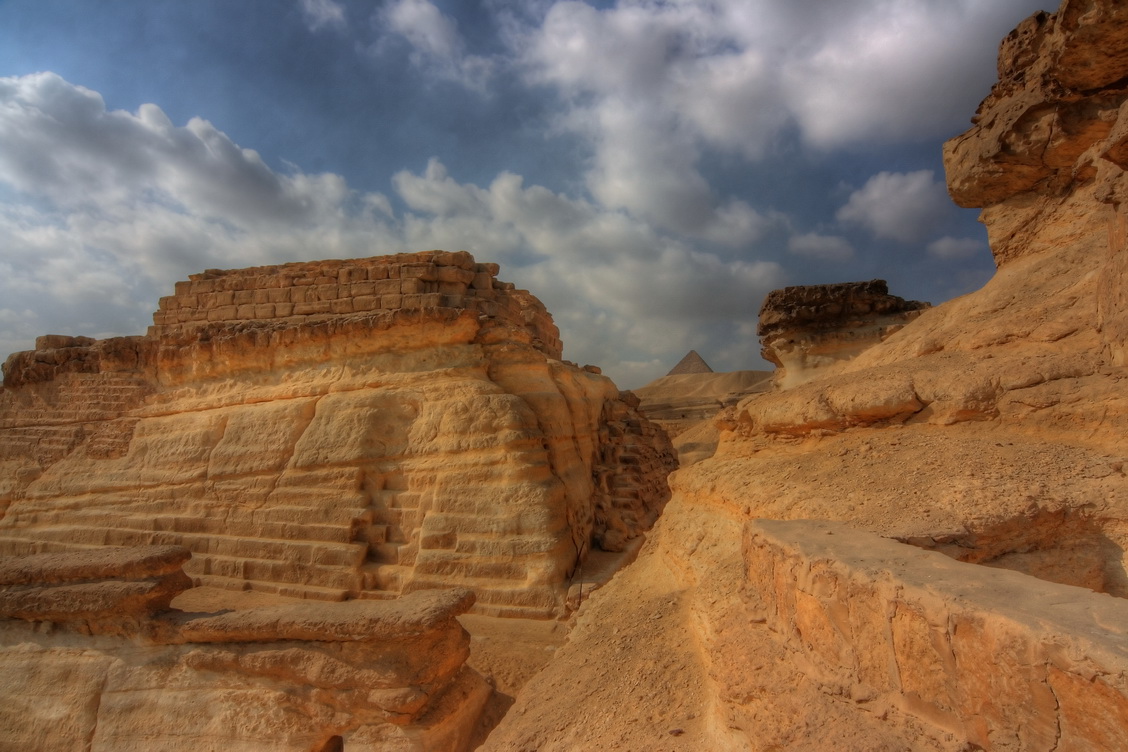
{"points": [[89, 666], [996, 658], [806, 328], [304, 430], [990, 428]]}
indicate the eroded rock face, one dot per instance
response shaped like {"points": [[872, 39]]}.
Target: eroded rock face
{"points": [[1046, 156], [989, 428], [333, 430], [804, 329], [126, 672]]}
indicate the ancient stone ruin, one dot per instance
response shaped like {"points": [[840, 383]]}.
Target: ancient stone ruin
{"points": [[355, 431], [916, 539], [333, 430]]}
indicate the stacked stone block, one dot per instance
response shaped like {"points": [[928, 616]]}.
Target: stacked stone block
{"points": [[309, 291]]}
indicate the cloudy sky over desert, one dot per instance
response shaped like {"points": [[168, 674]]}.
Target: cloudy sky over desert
{"points": [[649, 169]]}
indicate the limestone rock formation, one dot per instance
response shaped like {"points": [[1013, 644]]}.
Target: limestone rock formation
{"points": [[86, 667], [989, 429], [806, 328], [333, 430]]}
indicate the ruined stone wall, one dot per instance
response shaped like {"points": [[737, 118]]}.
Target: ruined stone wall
{"points": [[306, 291], [1004, 660]]}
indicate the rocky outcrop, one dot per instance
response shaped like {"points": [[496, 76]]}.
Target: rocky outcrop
{"points": [[76, 643], [805, 329], [103, 591], [1046, 157], [999, 659], [989, 428], [333, 430]]}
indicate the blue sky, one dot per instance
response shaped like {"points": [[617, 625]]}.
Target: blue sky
{"points": [[649, 169]]}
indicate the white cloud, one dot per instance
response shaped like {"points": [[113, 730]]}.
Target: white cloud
{"points": [[107, 218], [898, 206], [825, 247], [320, 14], [951, 248], [651, 86], [655, 87], [436, 44], [899, 69]]}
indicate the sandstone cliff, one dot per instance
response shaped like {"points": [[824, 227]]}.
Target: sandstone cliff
{"points": [[989, 429], [333, 430]]}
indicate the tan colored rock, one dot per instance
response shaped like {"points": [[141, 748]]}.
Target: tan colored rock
{"points": [[334, 456], [990, 428], [806, 328], [360, 675], [978, 652], [105, 591]]}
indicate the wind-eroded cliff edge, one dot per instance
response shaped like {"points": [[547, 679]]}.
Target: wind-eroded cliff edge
{"points": [[989, 429]]}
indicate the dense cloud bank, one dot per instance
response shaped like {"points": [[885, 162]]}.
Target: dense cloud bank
{"points": [[646, 247]]}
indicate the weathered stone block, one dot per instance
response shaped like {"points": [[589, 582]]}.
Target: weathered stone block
{"points": [[351, 274], [365, 303], [223, 313], [357, 289], [307, 309], [454, 274], [425, 272]]}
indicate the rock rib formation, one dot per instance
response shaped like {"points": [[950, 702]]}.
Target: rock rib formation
{"points": [[989, 429], [333, 430]]}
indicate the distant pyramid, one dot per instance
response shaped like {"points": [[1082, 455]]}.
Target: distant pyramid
{"points": [[691, 363]]}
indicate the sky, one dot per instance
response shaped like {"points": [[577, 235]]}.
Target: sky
{"points": [[650, 169]]}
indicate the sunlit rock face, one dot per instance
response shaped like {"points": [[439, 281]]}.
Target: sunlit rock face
{"points": [[1046, 156], [93, 658], [990, 429], [805, 329], [334, 430]]}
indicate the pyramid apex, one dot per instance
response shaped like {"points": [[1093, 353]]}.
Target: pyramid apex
{"points": [[691, 363]]}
